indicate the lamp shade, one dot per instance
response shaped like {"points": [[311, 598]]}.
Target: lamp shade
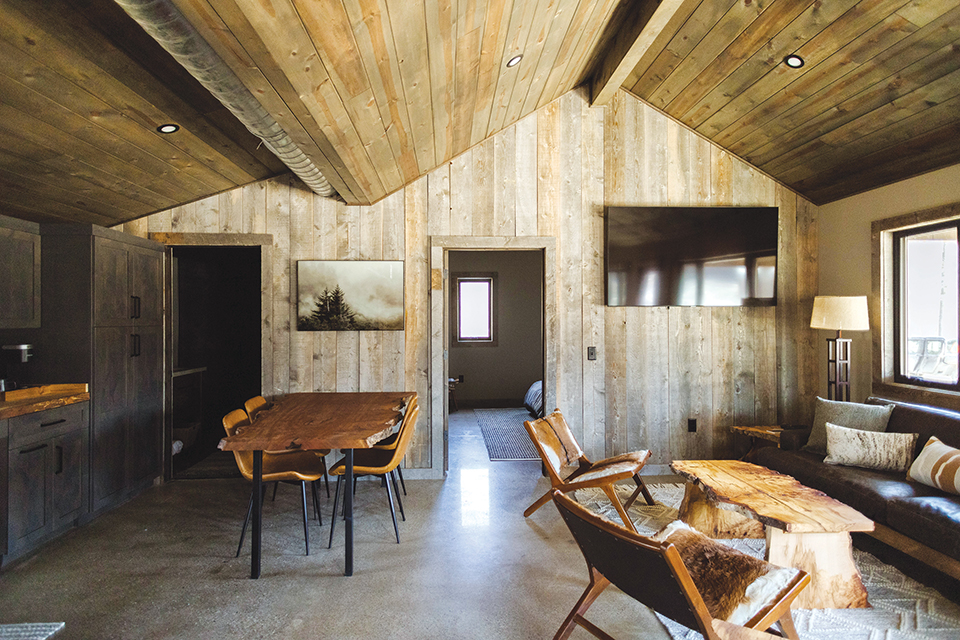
{"points": [[840, 313]]}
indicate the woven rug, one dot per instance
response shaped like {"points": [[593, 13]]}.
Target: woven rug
{"points": [[504, 435], [902, 607]]}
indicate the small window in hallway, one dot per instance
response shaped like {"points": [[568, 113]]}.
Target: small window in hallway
{"points": [[475, 304]]}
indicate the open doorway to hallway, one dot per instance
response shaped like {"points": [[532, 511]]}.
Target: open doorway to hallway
{"points": [[215, 342], [496, 345]]}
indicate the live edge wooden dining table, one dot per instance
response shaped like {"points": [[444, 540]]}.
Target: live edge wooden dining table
{"points": [[313, 421]]}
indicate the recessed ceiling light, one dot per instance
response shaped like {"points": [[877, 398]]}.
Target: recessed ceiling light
{"points": [[515, 60], [793, 61], [168, 128]]}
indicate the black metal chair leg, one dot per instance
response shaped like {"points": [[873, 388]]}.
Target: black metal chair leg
{"points": [[333, 516], [393, 512], [316, 502], [326, 476], [306, 528], [275, 485], [243, 532], [402, 484], [397, 492], [246, 521]]}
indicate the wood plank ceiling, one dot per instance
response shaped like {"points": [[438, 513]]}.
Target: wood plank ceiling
{"points": [[82, 90], [379, 92], [877, 100]]}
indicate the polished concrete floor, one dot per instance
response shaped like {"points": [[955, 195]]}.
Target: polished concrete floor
{"points": [[469, 565]]}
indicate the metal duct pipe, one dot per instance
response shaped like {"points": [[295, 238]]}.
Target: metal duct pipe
{"points": [[164, 22]]}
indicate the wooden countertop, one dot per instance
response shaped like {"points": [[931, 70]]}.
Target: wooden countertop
{"points": [[32, 399]]}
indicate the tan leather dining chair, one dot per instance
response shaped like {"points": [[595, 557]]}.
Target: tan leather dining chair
{"points": [[253, 407], [297, 466], [390, 442], [559, 449], [378, 462]]}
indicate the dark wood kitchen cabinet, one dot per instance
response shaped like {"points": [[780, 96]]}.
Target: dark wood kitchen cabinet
{"points": [[103, 322], [46, 475], [20, 266]]}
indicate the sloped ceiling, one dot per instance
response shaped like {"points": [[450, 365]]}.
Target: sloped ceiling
{"points": [[82, 90], [379, 92], [877, 99]]}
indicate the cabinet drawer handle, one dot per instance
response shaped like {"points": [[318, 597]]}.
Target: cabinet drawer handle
{"points": [[133, 307], [134, 345], [24, 452], [50, 424], [137, 299], [59, 470]]}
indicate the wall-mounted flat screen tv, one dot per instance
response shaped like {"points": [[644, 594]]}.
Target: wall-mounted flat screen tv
{"points": [[691, 256]]}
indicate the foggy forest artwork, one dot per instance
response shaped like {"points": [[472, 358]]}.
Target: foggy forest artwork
{"points": [[346, 295]]}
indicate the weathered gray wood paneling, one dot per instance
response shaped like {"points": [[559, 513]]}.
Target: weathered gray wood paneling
{"points": [[549, 175]]}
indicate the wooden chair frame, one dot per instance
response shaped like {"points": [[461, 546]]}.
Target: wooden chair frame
{"points": [[603, 473], [653, 574]]}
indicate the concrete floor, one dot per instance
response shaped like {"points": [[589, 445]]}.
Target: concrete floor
{"points": [[469, 565]]}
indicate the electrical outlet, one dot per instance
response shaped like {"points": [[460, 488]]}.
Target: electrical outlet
{"points": [[591, 353], [692, 425], [461, 378]]}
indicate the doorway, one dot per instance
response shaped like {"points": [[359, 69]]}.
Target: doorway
{"points": [[495, 338], [215, 344]]}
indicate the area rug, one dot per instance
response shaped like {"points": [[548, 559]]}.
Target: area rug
{"points": [[902, 607], [504, 435]]}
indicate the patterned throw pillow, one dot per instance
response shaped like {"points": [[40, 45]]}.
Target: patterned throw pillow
{"points": [[866, 417], [869, 449], [938, 466]]}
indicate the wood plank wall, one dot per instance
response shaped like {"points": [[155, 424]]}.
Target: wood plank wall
{"points": [[551, 174]]}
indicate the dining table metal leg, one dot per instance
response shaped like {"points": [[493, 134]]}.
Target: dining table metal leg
{"points": [[257, 515], [348, 513]]}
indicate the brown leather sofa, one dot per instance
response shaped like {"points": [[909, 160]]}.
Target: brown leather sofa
{"points": [[921, 521]]}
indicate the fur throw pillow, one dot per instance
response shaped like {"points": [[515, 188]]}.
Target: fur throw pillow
{"points": [[734, 586]]}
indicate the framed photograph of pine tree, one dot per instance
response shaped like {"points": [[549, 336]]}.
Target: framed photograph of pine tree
{"points": [[350, 295]]}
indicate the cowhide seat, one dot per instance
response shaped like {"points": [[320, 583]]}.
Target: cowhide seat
{"points": [[683, 575]]}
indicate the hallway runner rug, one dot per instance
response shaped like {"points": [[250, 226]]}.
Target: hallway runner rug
{"points": [[504, 435], [902, 607]]}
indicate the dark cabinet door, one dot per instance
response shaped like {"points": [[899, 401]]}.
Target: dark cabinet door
{"points": [[146, 391], [146, 285], [29, 507], [68, 478], [111, 408], [112, 304], [20, 280]]}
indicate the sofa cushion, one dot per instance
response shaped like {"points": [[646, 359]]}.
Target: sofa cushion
{"points": [[938, 465], [927, 421], [870, 449], [932, 520], [846, 414], [865, 490]]}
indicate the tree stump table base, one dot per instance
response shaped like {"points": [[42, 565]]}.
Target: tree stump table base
{"points": [[804, 528]]}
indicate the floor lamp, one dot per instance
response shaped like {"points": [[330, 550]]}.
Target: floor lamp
{"points": [[839, 313]]}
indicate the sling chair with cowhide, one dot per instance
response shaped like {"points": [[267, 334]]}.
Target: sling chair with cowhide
{"points": [[683, 575]]}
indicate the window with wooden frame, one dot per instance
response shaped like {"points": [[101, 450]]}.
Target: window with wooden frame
{"points": [[475, 309], [926, 305]]}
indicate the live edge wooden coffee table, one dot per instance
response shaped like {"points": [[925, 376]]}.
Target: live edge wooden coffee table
{"points": [[805, 528]]}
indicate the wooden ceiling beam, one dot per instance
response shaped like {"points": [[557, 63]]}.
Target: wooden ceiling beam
{"points": [[647, 28]]}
